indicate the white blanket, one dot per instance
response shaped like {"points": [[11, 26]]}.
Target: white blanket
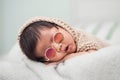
{"points": [[101, 65]]}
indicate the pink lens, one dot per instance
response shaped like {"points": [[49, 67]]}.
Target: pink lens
{"points": [[50, 53], [58, 37]]}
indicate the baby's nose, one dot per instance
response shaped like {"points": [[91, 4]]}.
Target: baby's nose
{"points": [[57, 46]]}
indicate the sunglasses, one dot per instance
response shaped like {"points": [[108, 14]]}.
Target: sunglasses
{"points": [[51, 52]]}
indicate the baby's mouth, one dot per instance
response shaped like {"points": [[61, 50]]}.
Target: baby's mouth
{"points": [[66, 48]]}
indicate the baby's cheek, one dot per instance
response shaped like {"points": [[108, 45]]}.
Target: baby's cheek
{"points": [[59, 56]]}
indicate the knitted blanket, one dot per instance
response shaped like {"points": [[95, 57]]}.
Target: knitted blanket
{"points": [[84, 41]]}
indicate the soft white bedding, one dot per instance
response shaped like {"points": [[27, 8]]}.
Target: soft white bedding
{"points": [[101, 65]]}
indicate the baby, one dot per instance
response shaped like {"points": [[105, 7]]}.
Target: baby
{"points": [[50, 40]]}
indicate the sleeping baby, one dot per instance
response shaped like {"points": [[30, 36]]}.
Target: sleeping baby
{"points": [[50, 40]]}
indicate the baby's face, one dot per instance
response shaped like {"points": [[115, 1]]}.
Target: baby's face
{"points": [[51, 50]]}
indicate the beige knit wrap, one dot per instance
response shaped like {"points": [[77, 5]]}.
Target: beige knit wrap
{"points": [[84, 41]]}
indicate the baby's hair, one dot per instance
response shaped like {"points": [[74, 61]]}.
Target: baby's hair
{"points": [[30, 36]]}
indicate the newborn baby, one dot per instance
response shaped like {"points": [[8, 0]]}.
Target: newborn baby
{"points": [[50, 40]]}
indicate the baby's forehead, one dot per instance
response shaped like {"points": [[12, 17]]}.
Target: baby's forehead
{"points": [[47, 34], [45, 39]]}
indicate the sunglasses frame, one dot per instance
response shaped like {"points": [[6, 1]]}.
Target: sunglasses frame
{"points": [[47, 59], [46, 52]]}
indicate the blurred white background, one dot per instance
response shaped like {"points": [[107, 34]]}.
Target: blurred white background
{"points": [[13, 13]]}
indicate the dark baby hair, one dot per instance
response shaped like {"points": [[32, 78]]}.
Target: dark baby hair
{"points": [[30, 36]]}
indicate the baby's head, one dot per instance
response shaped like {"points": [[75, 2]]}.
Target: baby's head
{"points": [[45, 40]]}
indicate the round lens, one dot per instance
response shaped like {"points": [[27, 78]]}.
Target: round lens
{"points": [[50, 53], [58, 37]]}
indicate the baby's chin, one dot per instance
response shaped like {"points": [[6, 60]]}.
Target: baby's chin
{"points": [[71, 49]]}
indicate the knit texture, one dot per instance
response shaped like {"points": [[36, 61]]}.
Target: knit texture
{"points": [[84, 41]]}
